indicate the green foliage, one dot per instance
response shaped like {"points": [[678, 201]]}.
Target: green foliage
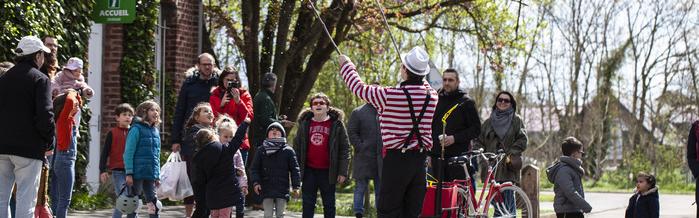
{"points": [[138, 73], [61, 18], [85, 201], [168, 108]]}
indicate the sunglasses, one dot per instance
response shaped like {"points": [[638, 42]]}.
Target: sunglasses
{"points": [[504, 100], [316, 103]]}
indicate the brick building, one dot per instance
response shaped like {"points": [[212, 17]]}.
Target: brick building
{"points": [[177, 47]]}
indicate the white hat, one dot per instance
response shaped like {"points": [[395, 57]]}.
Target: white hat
{"points": [[30, 45], [417, 61], [74, 64]]}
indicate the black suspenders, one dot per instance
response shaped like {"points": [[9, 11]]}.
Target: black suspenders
{"points": [[415, 131]]}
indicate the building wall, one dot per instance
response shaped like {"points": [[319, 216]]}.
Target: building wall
{"points": [[181, 51], [111, 85]]}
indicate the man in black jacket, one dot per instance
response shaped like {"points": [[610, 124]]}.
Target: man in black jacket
{"points": [[463, 125], [693, 158], [195, 89], [26, 128]]}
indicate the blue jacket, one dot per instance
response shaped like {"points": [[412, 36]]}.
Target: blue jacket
{"points": [[194, 90], [142, 152]]}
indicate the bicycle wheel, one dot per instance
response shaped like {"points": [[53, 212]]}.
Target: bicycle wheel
{"points": [[510, 201]]}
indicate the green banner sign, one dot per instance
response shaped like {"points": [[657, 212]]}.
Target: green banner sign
{"points": [[114, 11]]}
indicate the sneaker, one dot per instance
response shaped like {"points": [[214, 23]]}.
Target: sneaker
{"points": [[358, 215]]}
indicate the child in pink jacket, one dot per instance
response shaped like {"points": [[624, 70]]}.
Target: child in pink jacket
{"points": [[71, 78]]}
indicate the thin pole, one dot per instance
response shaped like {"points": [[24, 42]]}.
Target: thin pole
{"points": [[312, 6], [388, 28]]}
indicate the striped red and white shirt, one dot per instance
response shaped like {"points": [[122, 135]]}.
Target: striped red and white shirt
{"points": [[392, 106]]}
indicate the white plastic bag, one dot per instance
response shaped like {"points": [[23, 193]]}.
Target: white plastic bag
{"points": [[170, 174], [184, 187]]}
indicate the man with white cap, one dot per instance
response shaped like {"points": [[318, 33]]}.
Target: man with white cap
{"points": [[405, 117], [27, 127]]}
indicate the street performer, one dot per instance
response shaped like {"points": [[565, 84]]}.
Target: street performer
{"points": [[405, 117]]}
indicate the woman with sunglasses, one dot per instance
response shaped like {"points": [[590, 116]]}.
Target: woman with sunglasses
{"points": [[505, 130]]}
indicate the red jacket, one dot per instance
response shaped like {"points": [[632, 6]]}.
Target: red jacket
{"points": [[66, 121], [236, 111]]}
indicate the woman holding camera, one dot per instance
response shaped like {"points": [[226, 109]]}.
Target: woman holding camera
{"points": [[231, 99]]}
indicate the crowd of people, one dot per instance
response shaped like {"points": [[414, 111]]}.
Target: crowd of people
{"points": [[235, 145]]}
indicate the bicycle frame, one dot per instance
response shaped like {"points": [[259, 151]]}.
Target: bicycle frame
{"points": [[479, 207]]}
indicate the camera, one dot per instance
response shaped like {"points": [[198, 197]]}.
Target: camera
{"points": [[233, 84]]}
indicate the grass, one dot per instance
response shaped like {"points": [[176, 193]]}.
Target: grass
{"points": [[343, 205], [546, 197]]}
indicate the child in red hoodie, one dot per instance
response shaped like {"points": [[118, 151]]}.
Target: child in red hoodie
{"points": [[112, 158]]}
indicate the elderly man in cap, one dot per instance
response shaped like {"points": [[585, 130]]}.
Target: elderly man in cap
{"points": [[405, 117], [27, 127]]}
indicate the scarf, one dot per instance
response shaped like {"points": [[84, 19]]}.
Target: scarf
{"points": [[501, 121], [271, 146]]}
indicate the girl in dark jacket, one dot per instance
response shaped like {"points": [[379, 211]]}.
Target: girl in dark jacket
{"points": [[271, 166], [644, 203], [215, 172], [202, 117]]}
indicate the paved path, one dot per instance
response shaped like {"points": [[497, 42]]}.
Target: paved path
{"points": [[605, 205], [613, 205], [170, 211]]}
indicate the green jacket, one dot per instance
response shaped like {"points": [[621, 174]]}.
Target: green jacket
{"points": [[515, 143], [338, 144], [265, 113]]}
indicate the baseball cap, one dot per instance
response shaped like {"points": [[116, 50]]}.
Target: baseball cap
{"points": [[30, 45], [74, 64]]}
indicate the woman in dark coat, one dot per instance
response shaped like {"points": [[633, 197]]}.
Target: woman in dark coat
{"points": [[505, 130]]}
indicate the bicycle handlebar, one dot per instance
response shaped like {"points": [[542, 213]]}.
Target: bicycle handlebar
{"points": [[467, 156]]}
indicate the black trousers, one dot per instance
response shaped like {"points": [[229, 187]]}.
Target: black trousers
{"points": [[570, 215], [402, 184]]}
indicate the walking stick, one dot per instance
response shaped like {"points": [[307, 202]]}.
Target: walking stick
{"points": [[325, 28]]}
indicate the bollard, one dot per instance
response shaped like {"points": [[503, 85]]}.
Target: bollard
{"points": [[530, 185]]}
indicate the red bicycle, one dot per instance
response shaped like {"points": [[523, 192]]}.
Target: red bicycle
{"points": [[461, 200]]}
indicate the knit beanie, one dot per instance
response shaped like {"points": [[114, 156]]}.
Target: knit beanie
{"points": [[277, 126]]}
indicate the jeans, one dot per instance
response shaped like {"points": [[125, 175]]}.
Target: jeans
{"points": [[62, 180], [25, 173], [119, 181], [313, 180], [274, 207], [146, 188], [509, 200], [362, 186], [240, 207], [244, 155]]}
